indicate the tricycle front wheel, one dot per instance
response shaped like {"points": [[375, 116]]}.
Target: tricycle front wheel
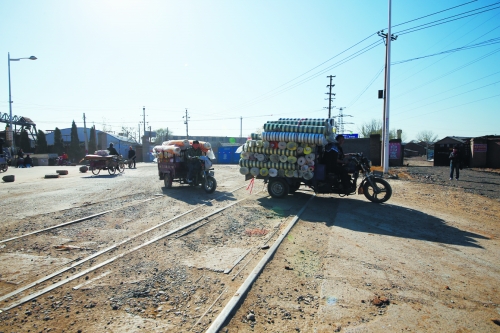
{"points": [[209, 184], [111, 170], [380, 194]]}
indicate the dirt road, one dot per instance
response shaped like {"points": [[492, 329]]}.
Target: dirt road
{"points": [[427, 261]]}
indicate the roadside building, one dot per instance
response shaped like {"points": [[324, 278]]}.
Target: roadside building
{"points": [[478, 152]]}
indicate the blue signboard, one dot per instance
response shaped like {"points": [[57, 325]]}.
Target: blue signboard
{"points": [[350, 136]]}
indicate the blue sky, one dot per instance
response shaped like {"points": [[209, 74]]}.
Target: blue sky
{"points": [[233, 63]]}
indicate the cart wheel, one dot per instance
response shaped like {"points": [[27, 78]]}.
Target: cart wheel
{"points": [[111, 170], [121, 167], [210, 184], [167, 180], [95, 170], [278, 188]]}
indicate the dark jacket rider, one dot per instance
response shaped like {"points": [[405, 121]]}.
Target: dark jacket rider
{"points": [[112, 150]]}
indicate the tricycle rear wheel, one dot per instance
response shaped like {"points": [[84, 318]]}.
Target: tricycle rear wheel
{"points": [[95, 170], [278, 188], [111, 170]]}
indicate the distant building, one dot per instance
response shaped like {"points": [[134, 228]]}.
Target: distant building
{"points": [[479, 152], [121, 143]]}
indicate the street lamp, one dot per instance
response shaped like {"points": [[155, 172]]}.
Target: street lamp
{"points": [[10, 97]]}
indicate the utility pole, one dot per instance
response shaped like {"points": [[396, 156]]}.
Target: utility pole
{"points": [[85, 134], [186, 122], [144, 118], [330, 95], [139, 127], [149, 135], [385, 126], [241, 128]]}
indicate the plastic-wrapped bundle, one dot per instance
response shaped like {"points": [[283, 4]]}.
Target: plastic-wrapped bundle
{"points": [[308, 175], [244, 170], [325, 130], [273, 172], [255, 136], [254, 171], [103, 152], [264, 172], [280, 136], [292, 159], [307, 121], [309, 138], [271, 151], [268, 165]]}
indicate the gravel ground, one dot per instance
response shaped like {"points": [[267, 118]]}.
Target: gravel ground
{"points": [[426, 261]]}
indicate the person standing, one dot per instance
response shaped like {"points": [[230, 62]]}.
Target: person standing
{"points": [[455, 160], [20, 158], [193, 163], [131, 156]]}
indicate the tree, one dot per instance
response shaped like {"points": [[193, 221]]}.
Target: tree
{"points": [[74, 145], [372, 127], [92, 140], [58, 142], [162, 134], [41, 147], [25, 141], [427, 136]]}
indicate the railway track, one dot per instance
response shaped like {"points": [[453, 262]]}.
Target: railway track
{"points": [[181, 249]]}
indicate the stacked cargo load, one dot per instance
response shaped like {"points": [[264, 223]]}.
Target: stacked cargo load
{"points": [[286, 148], [173, 150]]}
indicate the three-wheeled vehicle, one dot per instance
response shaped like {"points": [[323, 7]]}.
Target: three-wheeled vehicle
{"points": [[112, 163], [174, 169]]}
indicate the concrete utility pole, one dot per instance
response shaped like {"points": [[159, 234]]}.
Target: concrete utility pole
{"points": [[241, 128], [186, 122], [385, 126], [85, 135], [330, 95], [144, 118]]}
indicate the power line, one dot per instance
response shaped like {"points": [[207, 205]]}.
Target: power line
{"points": [[428, 25]]}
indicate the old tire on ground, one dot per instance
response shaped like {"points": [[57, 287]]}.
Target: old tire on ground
{"points": [[84, 169], [62, 172], [52, 176], [210, 184], [383, 186], [167, 180], [9, 178], [278, 188]]}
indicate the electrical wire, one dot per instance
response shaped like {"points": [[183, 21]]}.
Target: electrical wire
{"points": [[428, 25], [462, 48]]}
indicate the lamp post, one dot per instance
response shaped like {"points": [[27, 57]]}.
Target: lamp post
{"points": [[10, 96]]}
